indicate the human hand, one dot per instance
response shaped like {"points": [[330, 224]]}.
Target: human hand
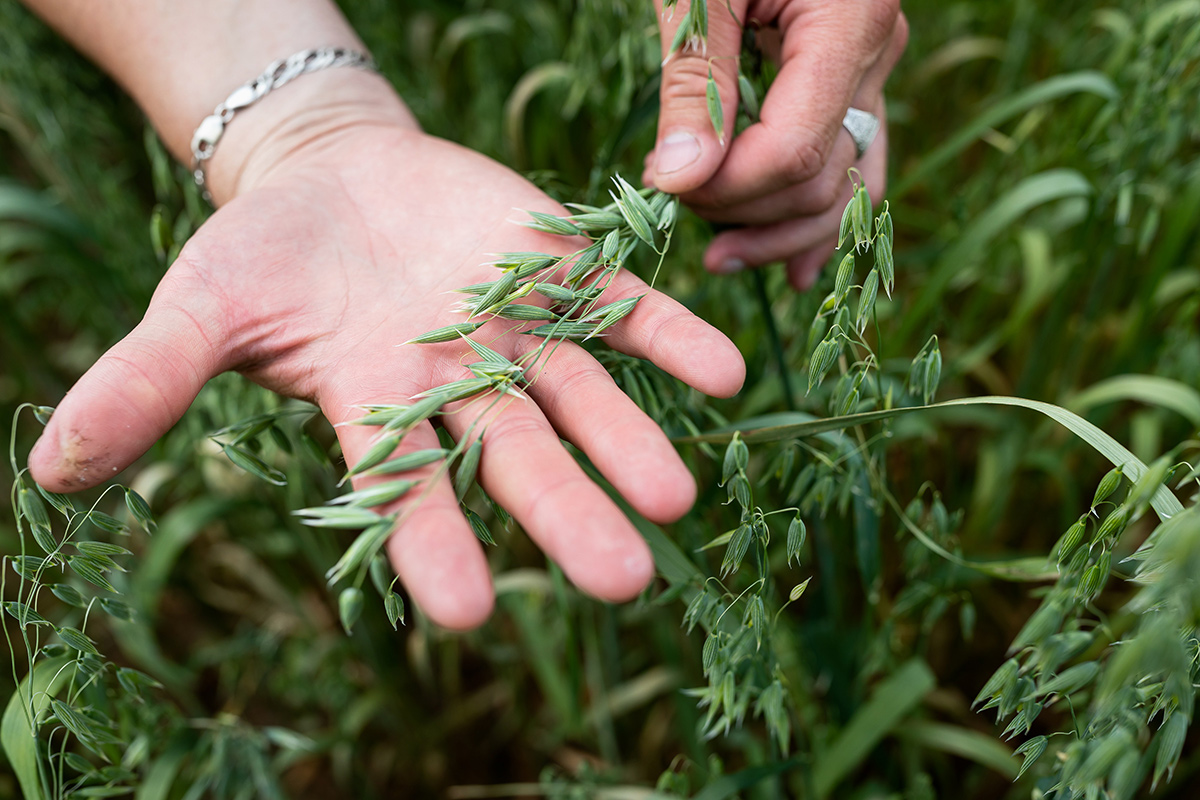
{"points": [[784, 177], [340, 244]]}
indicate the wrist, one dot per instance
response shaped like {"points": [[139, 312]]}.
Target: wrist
{"points": [[310, 108]]}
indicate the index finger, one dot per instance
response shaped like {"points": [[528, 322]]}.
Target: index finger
{"points": [[828, 50]]}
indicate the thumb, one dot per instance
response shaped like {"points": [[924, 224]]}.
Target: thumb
{"points": [[128, 399], [690, 149]]}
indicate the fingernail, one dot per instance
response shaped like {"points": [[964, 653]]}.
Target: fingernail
{"points": [[730, 265], [675, 152]]}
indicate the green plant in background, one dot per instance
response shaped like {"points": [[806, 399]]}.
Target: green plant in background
{"points": [[1043, 246]]}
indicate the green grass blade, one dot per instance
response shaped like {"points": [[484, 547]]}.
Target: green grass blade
{"points": [[957, 740], [957, 265], [1149, 389], [1164, 503], [16, 733], [729, 785], [1086, 81], [890, 703]]}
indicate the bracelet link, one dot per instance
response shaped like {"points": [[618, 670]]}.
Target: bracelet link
{"points": [[277, 73], [205, 139]]}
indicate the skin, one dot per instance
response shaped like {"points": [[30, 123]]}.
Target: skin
{"points": [[783, 179], [341, 231]]}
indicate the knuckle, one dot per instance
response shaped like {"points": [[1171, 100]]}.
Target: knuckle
{"points": [[882, 16], [900, 36], [512, 432], [684, 80], [826, 192], [804, 159], [544, 495], [575, 381]]}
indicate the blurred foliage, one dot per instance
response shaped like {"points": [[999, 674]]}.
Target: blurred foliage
{"points": [[1047, 236]]}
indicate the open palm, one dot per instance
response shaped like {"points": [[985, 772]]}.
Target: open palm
{"points": [[346, 248]]}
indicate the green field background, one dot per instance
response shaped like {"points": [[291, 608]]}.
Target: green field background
{"points": [[1045, 187]]}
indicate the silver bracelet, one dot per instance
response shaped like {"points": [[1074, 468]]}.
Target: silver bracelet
{"points": [[210, 130]]}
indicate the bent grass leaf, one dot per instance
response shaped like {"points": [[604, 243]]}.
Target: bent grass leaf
{"points": [[1084, 81], [103, 791], [954, 739], [889, 704], [1163, 502], [1150, 389], [26, 704]]}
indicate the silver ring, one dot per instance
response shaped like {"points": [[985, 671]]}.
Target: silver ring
{"points": [[862, 127]]}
